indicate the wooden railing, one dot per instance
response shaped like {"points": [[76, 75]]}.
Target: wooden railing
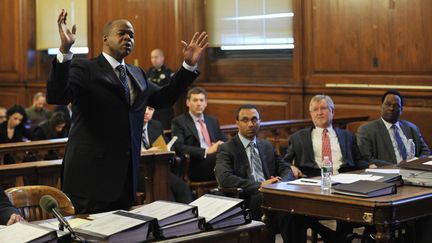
{"points": [[277, 132], [39, 149]]}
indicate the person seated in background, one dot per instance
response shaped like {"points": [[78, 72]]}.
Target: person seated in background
{"points": [[385, 141], [54, 127], [249, 162], [67, 114], [161, 75], [8, 213], [199, 135], [37, 113], [13, 129], [308, 147], [152, 129], [2, 114]]}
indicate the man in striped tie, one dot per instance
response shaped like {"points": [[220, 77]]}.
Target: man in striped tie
{"points": [[249, 162]]}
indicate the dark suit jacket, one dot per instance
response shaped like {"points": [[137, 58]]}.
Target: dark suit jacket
{"points": [[105, 137], [233, 170], [300, 150], [375, 143], [6, 208], [188, 142]]}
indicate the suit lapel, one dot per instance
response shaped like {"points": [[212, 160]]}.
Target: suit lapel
{"points": [[341, 140], [244, 160], [387, 140], [264, 158], [190, 124], [309, 146], [406, 130], [111, 77]]}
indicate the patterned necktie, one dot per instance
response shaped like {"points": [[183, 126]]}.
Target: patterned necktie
{"points": [[256, 163], [145, 141], [123, 79], [400, 144], [204, 132], [326, 148]]}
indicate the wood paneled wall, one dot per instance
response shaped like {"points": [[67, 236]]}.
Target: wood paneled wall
{"points": [[337, 42]]}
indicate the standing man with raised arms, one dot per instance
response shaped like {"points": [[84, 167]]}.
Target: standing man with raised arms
{"points": [[101, 163]]}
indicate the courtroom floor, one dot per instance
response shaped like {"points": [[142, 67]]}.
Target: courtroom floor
{"points": [[329, 223]]}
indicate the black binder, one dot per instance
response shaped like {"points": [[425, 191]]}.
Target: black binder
{"points": [[365, 189]]}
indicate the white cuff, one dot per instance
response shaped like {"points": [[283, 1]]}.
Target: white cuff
{"points": [[189, 67], [64, 57]]}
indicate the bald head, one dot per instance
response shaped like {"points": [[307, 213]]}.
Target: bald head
{"points": [[157, 58]]}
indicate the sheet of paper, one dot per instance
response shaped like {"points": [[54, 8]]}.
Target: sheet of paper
{"points": [[21, 232], [98, 215], [306, 182], [384, 171], [428, 162], [171, 142], [75, 222], [210, 207], [110, 224], [160, 209]]}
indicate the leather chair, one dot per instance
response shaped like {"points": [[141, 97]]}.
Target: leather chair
{"points": [[200, 187], [26, 199]]}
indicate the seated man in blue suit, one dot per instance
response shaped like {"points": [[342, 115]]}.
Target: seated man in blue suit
{"points": [[8, 213], [378, 139], [308, 147]]}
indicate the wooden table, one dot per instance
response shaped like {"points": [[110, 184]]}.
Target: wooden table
{"points": [[384, 212]]}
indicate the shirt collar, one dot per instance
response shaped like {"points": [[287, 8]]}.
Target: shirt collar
{"points": [[246, 141], [320, 130], [389, 125], [196, 118], [112, 61]]}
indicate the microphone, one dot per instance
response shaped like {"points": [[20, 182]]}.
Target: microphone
{"points": [[50, 205]]}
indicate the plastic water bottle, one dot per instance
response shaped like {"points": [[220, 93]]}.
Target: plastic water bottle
{"points": [[326, 172], [410, 149]]}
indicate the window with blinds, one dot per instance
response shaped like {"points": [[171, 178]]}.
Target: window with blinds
{"points": [[250, 24]]}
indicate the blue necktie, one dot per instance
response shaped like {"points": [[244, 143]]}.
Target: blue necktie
{"points": [[146, 143], [256, 164], [400, 144], [123, 79]]}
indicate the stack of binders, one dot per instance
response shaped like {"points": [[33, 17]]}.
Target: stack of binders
{"points": [[220, 212], [173, 219]]}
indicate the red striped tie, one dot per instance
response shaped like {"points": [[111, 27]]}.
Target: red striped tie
{"points": [[326, 148], [204, 132]]}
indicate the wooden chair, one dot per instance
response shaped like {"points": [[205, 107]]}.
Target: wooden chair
{"points": [[200, 187], [26, 199]]}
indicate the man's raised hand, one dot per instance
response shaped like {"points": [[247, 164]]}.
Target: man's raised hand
{"points": [[67, 37], [192, 52]]}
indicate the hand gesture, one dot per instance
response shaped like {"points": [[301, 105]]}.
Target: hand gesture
{"points": [[214, 147], [14, 218], [66, 36], [296, 172], [192, 52]]}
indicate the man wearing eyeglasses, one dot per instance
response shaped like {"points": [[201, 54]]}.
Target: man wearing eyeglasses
{"points": [[248, 162]]}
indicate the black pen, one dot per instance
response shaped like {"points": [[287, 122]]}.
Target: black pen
{"points": [[307, 181]]}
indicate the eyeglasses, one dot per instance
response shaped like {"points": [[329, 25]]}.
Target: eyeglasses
{"points": [[246, 120]]}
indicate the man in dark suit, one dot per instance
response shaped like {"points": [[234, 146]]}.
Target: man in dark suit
{"points": [[248, 162], [101, 164], [385, 141], [180, 191], [8, 213], [377, 140], [198, 135], [307, 147], [234, 163]]}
